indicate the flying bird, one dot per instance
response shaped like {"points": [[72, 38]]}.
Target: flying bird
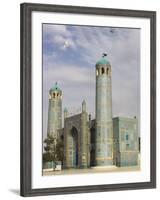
{"points": [[111, 30], [104, 54], [66, 44]]}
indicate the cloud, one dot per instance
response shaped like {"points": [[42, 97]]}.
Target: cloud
{"points": [[56, 35], [74, 67], [69, 73], [54, 29], [77, 83]]}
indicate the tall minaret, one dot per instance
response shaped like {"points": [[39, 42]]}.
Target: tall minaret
{"points": [[104, 127], [54, 111]]}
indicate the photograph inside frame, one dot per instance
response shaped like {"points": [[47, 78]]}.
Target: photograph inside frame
{"points": [[91, 99]]}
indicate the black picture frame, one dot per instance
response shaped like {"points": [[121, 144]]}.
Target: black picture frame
{"points": [[26, 95]]}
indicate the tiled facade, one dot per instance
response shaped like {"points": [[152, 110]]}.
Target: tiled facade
{"points": [[126, 148], [104, 126], [76, 141], [54, 111]]}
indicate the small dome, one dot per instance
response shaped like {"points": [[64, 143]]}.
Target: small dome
{"points": [[102, 61], [65, 109], [55, 88]]}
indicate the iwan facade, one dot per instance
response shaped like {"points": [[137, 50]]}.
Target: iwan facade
{"points": [[104, 141]]}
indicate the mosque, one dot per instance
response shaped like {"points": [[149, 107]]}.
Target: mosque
{"points": [[103, 141]]}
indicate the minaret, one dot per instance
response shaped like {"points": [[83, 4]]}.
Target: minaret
{"points": [[104, 126], [65, 113], [84, 106], [54, 111], [84, 139]]}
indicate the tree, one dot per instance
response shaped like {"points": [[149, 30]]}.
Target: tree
{"points": [[53, 150], [60, 150], [50, 150]]}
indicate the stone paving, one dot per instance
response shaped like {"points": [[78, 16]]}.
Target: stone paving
{"points": [[92, 170]]}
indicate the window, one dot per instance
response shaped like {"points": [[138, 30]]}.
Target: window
{"points": [[103, 71], [107, 71], [127, 137]]}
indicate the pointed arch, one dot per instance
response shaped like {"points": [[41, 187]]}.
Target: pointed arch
{"points": [[103, 70], [74, 134]]}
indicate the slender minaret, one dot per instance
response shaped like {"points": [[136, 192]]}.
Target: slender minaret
{"points": [[65, 113], [54, 111], [84, 138], [104, 127]]}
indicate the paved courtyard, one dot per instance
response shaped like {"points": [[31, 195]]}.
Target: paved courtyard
{"points": [[92, 170]]}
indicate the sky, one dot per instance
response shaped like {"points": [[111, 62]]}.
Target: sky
{"points": [[69, 57]]}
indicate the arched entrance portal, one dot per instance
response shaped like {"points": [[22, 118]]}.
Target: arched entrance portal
{"points": [[74, 134]]}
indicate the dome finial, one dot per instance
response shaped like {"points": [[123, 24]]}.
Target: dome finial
{"points": [[65, 109], [55, 87], [103, 60]]}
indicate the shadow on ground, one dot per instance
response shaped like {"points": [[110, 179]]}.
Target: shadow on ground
{"points": [[15, 191]]}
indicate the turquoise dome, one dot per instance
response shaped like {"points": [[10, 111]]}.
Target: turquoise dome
{"points": [[55, 88], [102, 61], [65, 109]]}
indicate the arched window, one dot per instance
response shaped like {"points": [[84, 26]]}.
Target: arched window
{"points": [[107, 71], [103, 70], [53, 95], [127, 137]]}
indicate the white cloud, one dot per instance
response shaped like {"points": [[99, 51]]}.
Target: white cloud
{"points": [[78, 82], [53, 29], [68, 73]]}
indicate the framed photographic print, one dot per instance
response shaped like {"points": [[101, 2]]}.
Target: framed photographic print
{"points": [[88, 99]]}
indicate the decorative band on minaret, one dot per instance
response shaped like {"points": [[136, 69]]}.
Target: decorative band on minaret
{"points": [[54, 111], [104, 125]]}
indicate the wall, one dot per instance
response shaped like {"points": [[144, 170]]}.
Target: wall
{"points": [[9, 101]]}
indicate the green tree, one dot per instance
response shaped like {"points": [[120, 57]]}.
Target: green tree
{"points": [[60, 150], [53, 150], [50, 150]]}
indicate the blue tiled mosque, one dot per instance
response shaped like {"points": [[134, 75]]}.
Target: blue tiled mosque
{"points": [[103, 141]]}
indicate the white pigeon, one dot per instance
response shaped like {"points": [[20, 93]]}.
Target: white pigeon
{"points": [[66, 44]]}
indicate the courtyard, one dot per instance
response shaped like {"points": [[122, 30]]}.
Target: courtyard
{"points": [[91, 170]]}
